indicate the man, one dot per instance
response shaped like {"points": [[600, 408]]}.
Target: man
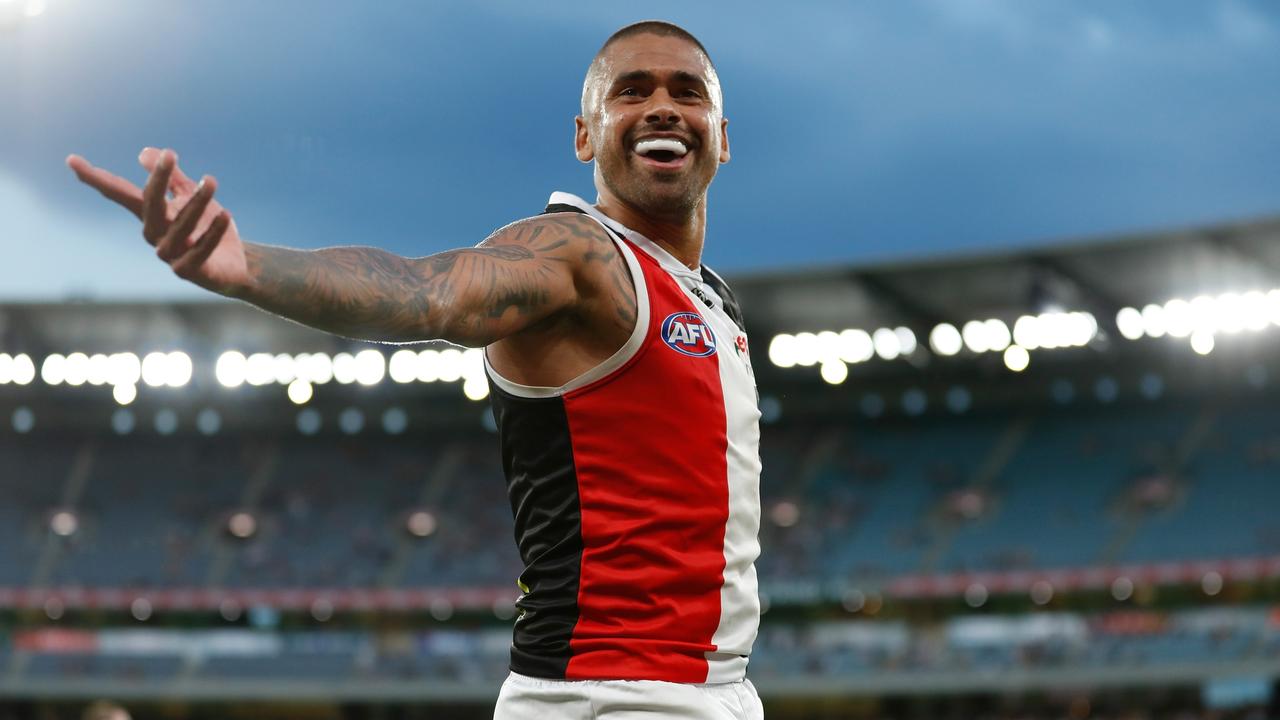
{"points": [[621, 385]]}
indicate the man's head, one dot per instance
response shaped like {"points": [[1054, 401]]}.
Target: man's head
{"points": [[653, 119]]}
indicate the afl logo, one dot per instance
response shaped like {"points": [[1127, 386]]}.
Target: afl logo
{"points": [[688, 334]]}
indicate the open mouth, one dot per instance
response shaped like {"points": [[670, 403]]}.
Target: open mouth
{"points": [[666, 153]]}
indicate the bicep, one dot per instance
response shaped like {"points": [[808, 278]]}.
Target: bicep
{"points": [[519, 276]]}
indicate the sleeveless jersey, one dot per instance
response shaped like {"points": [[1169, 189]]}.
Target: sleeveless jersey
{"points": [[635, 489]]}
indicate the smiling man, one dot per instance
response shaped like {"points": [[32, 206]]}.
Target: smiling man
{"points": [[621, 381]]}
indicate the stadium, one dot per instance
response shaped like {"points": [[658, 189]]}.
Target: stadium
{"points": [[1011, 278], [1050, 495]]}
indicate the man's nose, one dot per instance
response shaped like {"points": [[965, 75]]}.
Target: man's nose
{"points": [[662, 109]]}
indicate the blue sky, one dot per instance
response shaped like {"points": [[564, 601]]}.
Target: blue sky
{"points": [[861, 131]]}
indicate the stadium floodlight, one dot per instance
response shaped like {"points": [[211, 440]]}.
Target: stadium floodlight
{"points": [[1178, 319], [974, 333], [231, 368], [300, 391], [906, 340], [1016, 358], [344, 368], [1153, 321], [124, 369], [124, 393], [371, 367], [945, 339], [77, 370], [887, 344], [154, 368], [475, 388], [1129, 322], [6, 368], [98, 369], [1273, 307], [177, 369], [834, 371], [782, 350], [428, 365], [24, 370], [854, 346], [998, 335], [260, 369], [54, 369], [1254, 313], [473, 364], [403, 366], [315, 368], [828, 345], [285, 368], [64, 523], [1202, 342], [450, 365], [807, 350], [420, 523]]}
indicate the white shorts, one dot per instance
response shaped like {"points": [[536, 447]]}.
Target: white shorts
{"points": [[526, 698]]}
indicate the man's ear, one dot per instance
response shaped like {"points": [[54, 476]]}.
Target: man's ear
{"points": [[724, 140], [582, 140]]}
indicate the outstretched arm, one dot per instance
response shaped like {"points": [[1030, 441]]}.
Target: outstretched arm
{"points": [[522, 274]]}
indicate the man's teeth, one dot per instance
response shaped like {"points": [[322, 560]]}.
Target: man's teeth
{"points": [[644, 147]]}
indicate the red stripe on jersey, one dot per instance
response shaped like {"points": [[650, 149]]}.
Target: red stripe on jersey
{"points": [[653, 512]]}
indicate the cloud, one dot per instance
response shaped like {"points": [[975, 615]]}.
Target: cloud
{"points": [[54, 255]]}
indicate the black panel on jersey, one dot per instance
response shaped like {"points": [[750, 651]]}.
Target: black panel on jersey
{"points": [[731, 307], [542, 483]]}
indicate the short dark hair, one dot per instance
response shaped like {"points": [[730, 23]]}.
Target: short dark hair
{"points": [[661, 28]]}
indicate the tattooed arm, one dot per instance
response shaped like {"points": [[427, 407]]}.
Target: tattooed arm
{"points": [[524, 273]]}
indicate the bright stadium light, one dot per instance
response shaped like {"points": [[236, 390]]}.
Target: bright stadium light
{"points": [[260, 369], [887, 344], [834, 372], [154, 368], [828, 345], [125, 393], [428, 365], [371, 367], [1273, 307], [975, 336], [1016, 358], [24, 370], [1153, 321], [475, 388], [855, 346], [945, 339], [98, 369], [285, 368], [1202, 342], [315, 368], [1178, 320], [344, 368], [1254, 313], [1129, 322], [450, 363], [782, 350], [403, 366], [124, 369], [998, 335], [54, 369], [231, 369], [299, 392], [77, 371], [177, 369], [906, 340], [807, 350], [6, 369]]}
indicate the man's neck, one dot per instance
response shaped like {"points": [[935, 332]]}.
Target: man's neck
{"points": [[681, 237]]}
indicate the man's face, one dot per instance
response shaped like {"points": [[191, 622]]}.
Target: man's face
{"points": [[654, 124]]}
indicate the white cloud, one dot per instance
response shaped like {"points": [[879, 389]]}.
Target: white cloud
{"points": [[50, 255]]}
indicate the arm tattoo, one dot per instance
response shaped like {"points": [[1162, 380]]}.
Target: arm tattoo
{"points": [[472, 296]]}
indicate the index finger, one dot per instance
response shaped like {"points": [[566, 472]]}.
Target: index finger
{"points": [[113, 187], [155, 205]]}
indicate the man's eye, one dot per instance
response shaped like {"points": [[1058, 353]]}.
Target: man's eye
{"points": [[628, 91], [691, 94]]}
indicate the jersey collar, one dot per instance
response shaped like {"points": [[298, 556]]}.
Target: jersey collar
{"points": [[651, 248]]}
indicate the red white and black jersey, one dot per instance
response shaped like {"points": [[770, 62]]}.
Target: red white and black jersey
{"points": [[635, 489]]}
